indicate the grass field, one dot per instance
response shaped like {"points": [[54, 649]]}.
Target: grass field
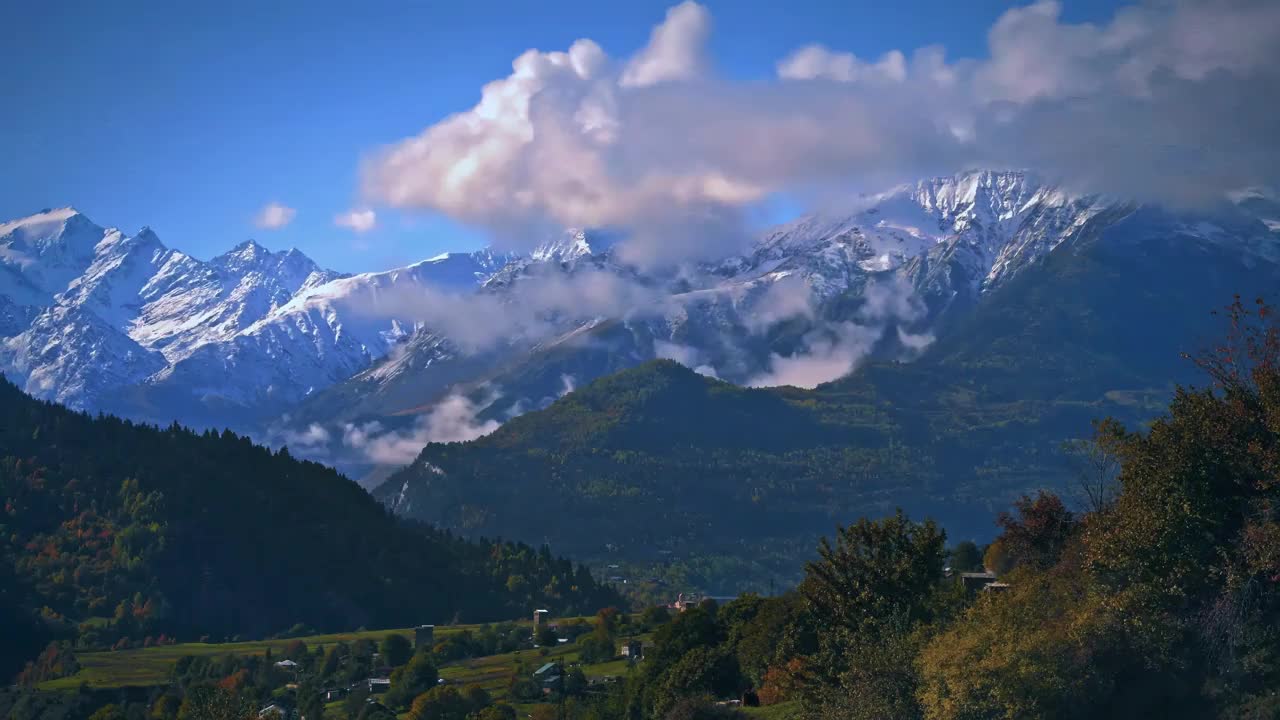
{"points": [[152, 666]]}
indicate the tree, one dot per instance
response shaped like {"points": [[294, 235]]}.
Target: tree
{"points": [[1097, 465], [396, 650], [411, 680], [1038, 534], [870, 593], [965, 557], [547, 637], [876, 570], [702, 671], [441, 703], [215, 703], [500, 711], [655, 615], [108, 712]]}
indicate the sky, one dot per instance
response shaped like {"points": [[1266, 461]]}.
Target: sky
{"points": [[193, 117], [334, 127]]}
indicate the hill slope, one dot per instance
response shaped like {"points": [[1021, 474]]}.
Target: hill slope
{"points": [[661, 459], [144, 532]]}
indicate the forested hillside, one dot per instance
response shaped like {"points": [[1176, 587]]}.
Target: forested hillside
{"points": [[118, 533], [659, 459], [1157, 596]]}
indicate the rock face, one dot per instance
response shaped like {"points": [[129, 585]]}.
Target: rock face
{"points": [[269, 343]]}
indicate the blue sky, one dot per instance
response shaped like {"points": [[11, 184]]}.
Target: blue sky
{"points": [[190, 117]]}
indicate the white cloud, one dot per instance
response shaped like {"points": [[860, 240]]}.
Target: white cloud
{"points": [[829, 354], [675, 49], [533, 308], [274, 216], [567, 384], [816, 62], [357, 220], [1170, 100], [687, 355], [454, 419], [833, 350]]}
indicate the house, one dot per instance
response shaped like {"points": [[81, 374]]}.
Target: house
{"points": [[974, 581], [539, 617], [632, 649], [378, 685], [542, 671], [996, 587], [289, 665], [681, 604], [336, 694], [424, 636]]}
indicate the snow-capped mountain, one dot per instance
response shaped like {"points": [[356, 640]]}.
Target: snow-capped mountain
{"points": [[899, 269], [270, 343], [99, 319]]}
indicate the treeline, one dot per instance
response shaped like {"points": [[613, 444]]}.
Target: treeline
{"points": [[1159, 599], [115, 534]]}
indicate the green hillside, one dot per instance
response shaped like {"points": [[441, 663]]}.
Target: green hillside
{"points": [[117, 533], [658, 463]]}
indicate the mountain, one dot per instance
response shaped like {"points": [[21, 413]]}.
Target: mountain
{"points": [[332, 365], [804, 304], [138, 531], [102, 320], [660, 461]]}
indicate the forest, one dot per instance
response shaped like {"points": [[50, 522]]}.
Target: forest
{"points": [[1154, 592], [115, 534], [660, 466]]}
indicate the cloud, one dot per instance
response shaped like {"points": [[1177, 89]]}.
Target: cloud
{"points": [[358, 220], [274, 216], [829, 354], [783, 299], [816, 62], [687, 355], [833, 350], [567, 384], [675, 49], [454, 419], [532, 308], [1169, 100]]}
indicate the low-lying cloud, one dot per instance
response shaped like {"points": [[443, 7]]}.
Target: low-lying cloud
{"points": [[833, 350], [454, 419], [1169, 100], [531, 309]]}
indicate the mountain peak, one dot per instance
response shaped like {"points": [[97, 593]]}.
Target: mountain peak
{"points": [[46, 223], [570, 245], [249, 248]]}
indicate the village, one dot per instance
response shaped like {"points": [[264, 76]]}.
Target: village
{"points": [[552, 659]]}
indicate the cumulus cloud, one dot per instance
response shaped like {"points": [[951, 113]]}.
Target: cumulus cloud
{"points": [[273, 216], [357, 220], [1169, 100], [454, 419], [816, 62], [675, 49]]}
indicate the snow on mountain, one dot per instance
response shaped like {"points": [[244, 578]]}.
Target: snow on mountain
{"points": [[97, 318], [105, 320]]}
